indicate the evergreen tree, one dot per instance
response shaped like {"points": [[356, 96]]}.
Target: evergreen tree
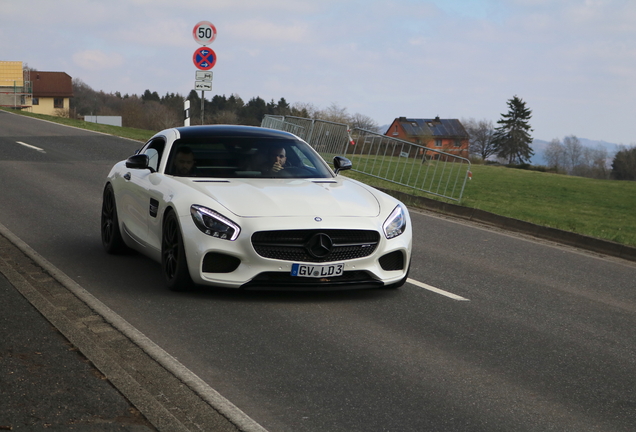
{"points": [[148, 96], [512, 137], [218, 103], [195, 107], [624, 164], [481, 134], [253, 111], [282, 108], [235, 103]]}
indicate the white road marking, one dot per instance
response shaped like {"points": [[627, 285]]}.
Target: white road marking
{"points": [[31, 146], [436, 290]]}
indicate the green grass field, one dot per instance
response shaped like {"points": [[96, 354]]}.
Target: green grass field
{"points": [[604, 209], [599, 208], [132, 133]]}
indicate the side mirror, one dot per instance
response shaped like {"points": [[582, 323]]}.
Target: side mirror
{"points": [[341, 164], [138, 161]]}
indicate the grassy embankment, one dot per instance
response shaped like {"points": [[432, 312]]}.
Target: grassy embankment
{"points": [[132, 133], [604, 209]]}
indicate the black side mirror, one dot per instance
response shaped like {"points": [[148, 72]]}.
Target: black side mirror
{"points": [[341, 164], [138, 161]]}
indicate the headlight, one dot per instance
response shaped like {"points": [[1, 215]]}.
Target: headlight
{"points": [[395, 223], [213, 223]]}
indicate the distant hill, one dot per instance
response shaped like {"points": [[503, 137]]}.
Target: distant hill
{"points": [[539, 146]]}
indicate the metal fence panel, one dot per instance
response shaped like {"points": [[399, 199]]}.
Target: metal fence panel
{"points": [[397, 161]]}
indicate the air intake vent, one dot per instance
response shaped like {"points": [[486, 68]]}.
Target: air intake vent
{"points": [[219, 263], [392, 261]]}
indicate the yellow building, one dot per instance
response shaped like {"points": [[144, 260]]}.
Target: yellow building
{"points": [[15, 91], [11, 74], [35, 91], [51, 93]]}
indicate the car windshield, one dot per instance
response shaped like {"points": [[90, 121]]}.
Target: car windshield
{"points": [[245, 157]]}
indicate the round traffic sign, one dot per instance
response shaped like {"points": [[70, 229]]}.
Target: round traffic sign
{"points": [[204, 58], [204, 32]]}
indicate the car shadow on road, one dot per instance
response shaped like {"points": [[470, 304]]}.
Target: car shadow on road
{"points": [[289, 295]]}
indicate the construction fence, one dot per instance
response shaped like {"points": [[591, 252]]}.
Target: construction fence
{"points": [[380, 156]]}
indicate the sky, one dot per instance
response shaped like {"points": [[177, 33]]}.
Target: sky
{"points": [[572, 61]]}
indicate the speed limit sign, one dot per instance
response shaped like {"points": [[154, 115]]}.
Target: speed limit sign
{"points": [[204, 32]]}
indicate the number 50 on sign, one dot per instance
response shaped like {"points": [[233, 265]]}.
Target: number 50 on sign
{"points": [[204, 32]]}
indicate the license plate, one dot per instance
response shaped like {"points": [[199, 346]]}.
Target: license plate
{"points": [[317, 271]]}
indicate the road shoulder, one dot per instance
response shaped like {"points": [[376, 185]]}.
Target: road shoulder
{"points": [[166, 399]]}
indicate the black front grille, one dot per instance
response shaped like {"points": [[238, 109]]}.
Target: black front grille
{"points": [[295, 245]]}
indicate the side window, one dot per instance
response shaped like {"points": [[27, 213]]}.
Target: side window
{"points": [[301, 157], [154, 150], [153, 156]]}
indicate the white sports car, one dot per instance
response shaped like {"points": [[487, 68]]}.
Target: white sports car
{"points": [[253, 208]]}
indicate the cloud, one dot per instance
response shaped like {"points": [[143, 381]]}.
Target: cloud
{"points": [[268, 31], [95, 60], [160, 34]]}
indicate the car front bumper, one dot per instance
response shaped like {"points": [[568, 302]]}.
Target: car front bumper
{"points": [[240, 266]]}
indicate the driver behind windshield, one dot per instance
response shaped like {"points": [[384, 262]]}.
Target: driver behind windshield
{"points": [[184, 163], [277, 160]]}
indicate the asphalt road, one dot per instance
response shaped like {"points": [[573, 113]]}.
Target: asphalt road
{"points": [[544, 340]]}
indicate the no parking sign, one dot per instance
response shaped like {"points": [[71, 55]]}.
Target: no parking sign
{"points": [[204, 58]]}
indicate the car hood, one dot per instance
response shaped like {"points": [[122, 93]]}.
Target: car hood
{"points": [[292, 197]]}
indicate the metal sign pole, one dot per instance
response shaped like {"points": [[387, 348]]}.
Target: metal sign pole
{"points": [[202, 105], [204, 59]]}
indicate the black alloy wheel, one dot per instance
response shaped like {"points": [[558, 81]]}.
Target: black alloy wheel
{"points": [[111, 236], [173, 259]]}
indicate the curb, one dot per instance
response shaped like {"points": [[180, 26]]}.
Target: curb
{"points": [[580, 241], [130, 361]]}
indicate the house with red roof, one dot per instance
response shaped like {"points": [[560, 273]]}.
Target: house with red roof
{"points": [[446, 135], [52, 92]]}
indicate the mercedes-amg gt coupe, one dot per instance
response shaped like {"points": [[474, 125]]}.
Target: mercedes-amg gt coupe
{"points": [[253, 208]]}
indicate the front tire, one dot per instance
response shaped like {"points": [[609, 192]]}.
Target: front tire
{"points": [[111, 235], [173, 258]]}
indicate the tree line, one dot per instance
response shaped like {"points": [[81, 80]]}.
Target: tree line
{"points": [[153, 112], [511, 143]]}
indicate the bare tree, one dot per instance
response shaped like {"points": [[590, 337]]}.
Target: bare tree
{"points": [[555, 155], [362, 121], [600, 162], [573, 152], [303, 109], [335, 113], [481, 137], [592, 163], [132, 113], [62, 112], [160, 117], [575, 159], [223, 117]]}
